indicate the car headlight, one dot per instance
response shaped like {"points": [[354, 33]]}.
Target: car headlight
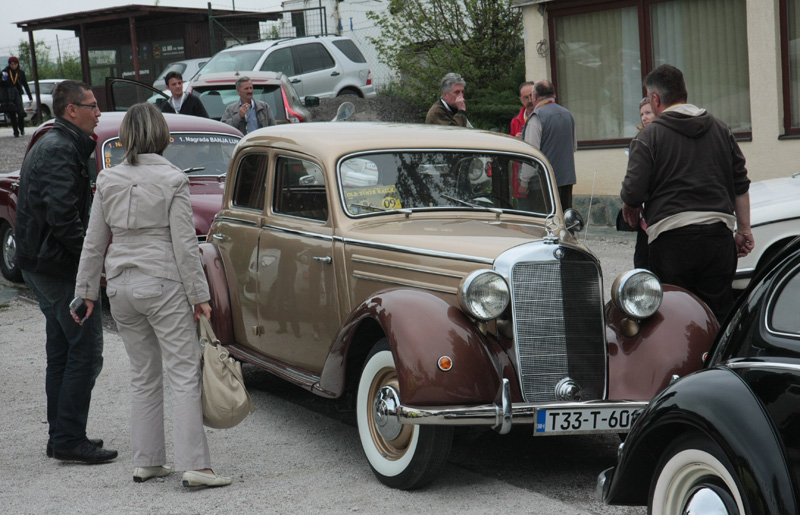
{"points": [[484, 294], [638, 293]]}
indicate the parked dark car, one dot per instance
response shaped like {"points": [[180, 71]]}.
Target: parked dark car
{"points": [[200, 146], [727, 438]]}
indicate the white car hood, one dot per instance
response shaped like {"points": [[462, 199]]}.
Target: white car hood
{"points": [[774, 199]]}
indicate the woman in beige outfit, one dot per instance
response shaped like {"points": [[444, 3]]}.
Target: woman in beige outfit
{"points": [[154, 277]]}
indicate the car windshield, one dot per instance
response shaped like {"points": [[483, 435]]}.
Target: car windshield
{"points": [[235, 60], [217, 98], [375, 183], [207, 152]]}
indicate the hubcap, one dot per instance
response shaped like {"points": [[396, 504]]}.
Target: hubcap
{"points": [[9, 250], [385, 413], [710, 499]]}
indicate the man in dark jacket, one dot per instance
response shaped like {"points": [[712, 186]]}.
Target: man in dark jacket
{"points": [[181, 102], [53, 206], [451, 109], [688, 171]]}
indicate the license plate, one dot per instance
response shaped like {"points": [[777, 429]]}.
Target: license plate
{"points": [[581, 420]]}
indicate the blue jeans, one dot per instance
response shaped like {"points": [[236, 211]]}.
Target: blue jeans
{"points": [[74, 359]]}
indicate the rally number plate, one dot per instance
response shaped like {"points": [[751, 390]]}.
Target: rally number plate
{"points": [[584, 420]]}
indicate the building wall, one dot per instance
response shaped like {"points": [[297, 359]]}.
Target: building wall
{"points": [[600, 172]]}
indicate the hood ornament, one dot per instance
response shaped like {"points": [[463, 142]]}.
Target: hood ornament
{"points": [[551, 225]]}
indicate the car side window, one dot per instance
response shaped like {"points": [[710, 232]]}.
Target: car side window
{"points": [[313, 57], [783, 308], [300, 189], [248, 191], [280, 60]]}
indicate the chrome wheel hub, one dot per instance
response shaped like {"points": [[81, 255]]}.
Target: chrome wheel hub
{"points": [[385, 413]]}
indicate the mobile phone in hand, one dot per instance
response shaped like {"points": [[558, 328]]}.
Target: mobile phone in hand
{"points": [[79, 307]]}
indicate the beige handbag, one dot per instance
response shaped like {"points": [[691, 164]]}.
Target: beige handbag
{"points": [[225, 399]]}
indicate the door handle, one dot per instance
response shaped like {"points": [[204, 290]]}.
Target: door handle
{"points": [[295, 81], [217, 236], [334, 74], [323, 259]]}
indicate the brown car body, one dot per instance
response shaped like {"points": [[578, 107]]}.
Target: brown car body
{"points": [[341, 257]]}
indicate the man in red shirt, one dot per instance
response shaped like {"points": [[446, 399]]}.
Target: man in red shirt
{"points": [[518, 123]]}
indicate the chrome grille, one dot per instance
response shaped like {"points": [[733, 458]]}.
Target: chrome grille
{"points": [[558, 321]]}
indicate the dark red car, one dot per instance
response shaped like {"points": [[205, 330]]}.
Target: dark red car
{"points": [[201, 147]]}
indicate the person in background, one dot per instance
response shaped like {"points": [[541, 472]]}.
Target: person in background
{"points": [[526, 98], [157, 291], [181, 102], [640, 255], [53, 201], [551, 129], [517, 124], [18, 82], [451, 108], [687, 174], [248, 114]]}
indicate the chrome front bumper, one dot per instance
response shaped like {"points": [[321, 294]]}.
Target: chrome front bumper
{"points": [[500, 415]]}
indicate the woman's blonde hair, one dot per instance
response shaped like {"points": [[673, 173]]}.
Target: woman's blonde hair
{"points": [[143, 131]]}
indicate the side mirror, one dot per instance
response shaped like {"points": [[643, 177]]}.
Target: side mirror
{"points": [[573, 220], [310, 101], [345, 111]]}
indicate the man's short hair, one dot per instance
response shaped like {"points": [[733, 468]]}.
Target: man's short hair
{"points": [[173, 75], [66, 93], [544, 89], [450, 80], [241, 80], [667, 81], [526, 83]]}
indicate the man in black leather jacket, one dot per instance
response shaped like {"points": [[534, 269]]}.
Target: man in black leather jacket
{"points": [[53, 205]]}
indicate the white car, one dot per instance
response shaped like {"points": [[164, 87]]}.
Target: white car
{"points": [[47, 86], [320, 66], [775, 221], [187, 69]]}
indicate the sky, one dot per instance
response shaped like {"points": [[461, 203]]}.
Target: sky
{"points": [[23, 10]]}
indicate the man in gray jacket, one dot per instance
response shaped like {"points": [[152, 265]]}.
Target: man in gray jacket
{"points": [[688, 175], [248, 114], [551, 129]]}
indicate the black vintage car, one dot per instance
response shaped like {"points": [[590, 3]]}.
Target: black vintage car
{"points": [[726, 439]]}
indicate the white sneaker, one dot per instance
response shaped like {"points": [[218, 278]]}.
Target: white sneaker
{"points": [[142, 474], [196, 478]]}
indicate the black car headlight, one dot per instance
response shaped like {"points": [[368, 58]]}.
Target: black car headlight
{"points": [[484, 294], [638, 293]]}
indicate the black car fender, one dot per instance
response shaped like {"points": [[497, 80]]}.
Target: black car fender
{"points": [[719, 405]]}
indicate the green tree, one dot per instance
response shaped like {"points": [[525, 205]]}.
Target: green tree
{"points": [[48, 68], [422, 40]]}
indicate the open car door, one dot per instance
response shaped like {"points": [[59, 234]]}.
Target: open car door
{"points": [[121, 94]]}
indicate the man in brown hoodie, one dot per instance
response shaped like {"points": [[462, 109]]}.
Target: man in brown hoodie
{"points": [[688, 175]]}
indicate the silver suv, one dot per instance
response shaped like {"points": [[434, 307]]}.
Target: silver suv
{"points": [[321, 66]]}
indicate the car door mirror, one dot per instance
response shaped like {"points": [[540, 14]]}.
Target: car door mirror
{"points": [[311, 101]]}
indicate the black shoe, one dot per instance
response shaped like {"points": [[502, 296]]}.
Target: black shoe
{"points": [[16, 134], [94, 441], [22, 132], [85, 452]]}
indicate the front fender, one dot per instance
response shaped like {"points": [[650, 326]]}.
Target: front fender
{"points": [[671, 342], [221, 316], [421, 328], [716, 403]]}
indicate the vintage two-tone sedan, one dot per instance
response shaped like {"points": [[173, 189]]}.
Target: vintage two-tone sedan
{"points": [[367, 258]]}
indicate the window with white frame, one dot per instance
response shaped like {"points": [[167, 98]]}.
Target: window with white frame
{"points": [[603, 50]]}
